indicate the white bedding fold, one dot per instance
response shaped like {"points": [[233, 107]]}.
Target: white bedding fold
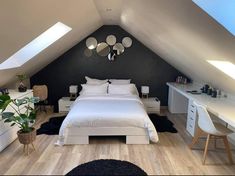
{"points": [[108, 111]]}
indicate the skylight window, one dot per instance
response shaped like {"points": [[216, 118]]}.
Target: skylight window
{"points": [[222, 11], [36, 46], [225, 66]]}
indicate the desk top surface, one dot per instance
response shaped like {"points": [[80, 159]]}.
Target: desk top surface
{"points": [[224, 108]]}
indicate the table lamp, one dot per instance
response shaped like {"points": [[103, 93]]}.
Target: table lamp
{"points": [[73, 90], [145, 91]]}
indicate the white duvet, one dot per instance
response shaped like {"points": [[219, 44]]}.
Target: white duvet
{"points": [[108, 111]]}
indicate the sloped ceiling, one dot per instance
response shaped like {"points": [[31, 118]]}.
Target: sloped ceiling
{"points": [[177, 30], [23, 20]]}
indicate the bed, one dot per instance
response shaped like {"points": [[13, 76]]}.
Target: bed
{"points": [[107, 109], [107, 115]]}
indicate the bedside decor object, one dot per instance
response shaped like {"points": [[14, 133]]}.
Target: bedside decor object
{"points": [[22, 117], [73, 90], [64, 104], [22, 87], [111, 40], [145, 91], [91, 43]]}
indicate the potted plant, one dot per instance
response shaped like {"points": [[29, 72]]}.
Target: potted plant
{"points": [[22, 117], [22, 87]]}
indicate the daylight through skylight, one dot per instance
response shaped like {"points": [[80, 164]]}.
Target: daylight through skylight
{"points": [[36, 46], [222, 11], [225, 66]]}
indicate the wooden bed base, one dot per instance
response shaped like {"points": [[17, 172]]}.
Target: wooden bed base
{"points": [[78, 135]]}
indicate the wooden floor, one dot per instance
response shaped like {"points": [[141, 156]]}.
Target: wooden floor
{"points": [[170, 156]]}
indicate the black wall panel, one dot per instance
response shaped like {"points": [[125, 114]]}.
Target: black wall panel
{"points": [[138, 62]]}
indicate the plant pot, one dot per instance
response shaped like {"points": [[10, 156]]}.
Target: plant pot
{"points": [[26, 138], [22, 88]]}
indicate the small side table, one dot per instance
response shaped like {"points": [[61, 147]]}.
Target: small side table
{"points": [[152, 105], [65, 104]]}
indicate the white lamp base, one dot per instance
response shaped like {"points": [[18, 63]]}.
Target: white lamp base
{"points": [[145, 95]]}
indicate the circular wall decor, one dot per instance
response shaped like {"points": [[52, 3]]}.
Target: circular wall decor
{"points": [[127, 42], [111, 40], [118, 48], [91, 43], [103, 49], [87, 52]]}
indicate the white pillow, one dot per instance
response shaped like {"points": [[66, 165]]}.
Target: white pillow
{"points": [[88, 89], [123, 89], [95, 81], [120, 81]]}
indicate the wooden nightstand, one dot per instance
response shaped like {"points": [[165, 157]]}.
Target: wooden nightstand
{"points": [[152, 105], [65, 104]]}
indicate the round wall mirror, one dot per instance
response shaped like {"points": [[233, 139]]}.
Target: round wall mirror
{"points": [[88, 52], [112, 56], [91, 43], [127, 42], [103, 49], [118, 48], [111, 40]]}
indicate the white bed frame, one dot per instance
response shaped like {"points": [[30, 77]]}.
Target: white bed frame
{"points": [[80, 135]]}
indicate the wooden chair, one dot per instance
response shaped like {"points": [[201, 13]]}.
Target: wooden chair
{"points": [[211, 129], [41, 91]]}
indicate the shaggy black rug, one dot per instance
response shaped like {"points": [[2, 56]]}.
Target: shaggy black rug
{"points": [[107, 167], [162, 123], [52, 127]]}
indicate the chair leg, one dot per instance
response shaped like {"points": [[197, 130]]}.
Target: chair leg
{"points": [[206, 148], [228, 150], [195, 138]]}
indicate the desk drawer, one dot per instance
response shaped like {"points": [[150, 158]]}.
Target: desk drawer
{"points": [[190, 127]]}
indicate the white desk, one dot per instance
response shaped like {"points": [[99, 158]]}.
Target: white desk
{"points": [[223, 108]]}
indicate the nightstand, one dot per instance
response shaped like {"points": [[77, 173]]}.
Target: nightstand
{"points": [[65, 104], [152, 105]]}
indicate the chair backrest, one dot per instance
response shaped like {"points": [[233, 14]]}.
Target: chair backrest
{"points": [[40, 91], [204, 119]]}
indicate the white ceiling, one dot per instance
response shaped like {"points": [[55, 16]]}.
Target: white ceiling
{"points": [[177, 30]]}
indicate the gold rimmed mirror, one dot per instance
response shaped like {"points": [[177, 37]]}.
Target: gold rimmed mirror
{"points": [[118, 48], [103, 49], [91, 43], [111, 40], [127, 42]]}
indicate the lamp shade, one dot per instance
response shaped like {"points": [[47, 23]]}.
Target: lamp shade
{"points": [[144, 89], [73, 89]]}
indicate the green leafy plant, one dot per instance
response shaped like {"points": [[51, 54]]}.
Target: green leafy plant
{"points": [[22, 119], [21, 77]]}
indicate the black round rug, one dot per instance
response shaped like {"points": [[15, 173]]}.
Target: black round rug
{"points": [[107, 167]]}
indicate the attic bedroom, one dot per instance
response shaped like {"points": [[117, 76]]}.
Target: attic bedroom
{"points": [[121, 87]]}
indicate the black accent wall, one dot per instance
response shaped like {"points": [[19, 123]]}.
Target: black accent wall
{"points": [[139, 63]]}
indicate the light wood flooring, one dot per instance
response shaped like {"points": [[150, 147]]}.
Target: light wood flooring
{"points": [[170, 156]]}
